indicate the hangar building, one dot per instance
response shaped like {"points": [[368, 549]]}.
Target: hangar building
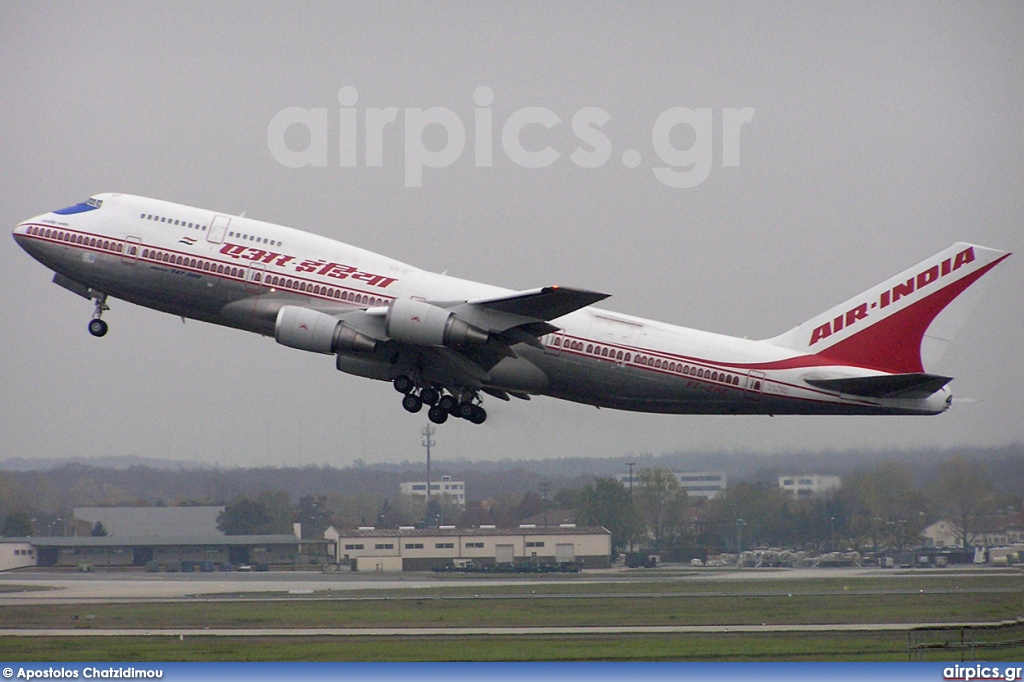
{"points": [[413, 549]]}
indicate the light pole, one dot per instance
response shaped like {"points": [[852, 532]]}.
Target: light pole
{"points": [[427, 432], [544, 485], [631, 465], [739, 537], [832, 527]]}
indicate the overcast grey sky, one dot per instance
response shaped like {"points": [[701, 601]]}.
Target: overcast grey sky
{"points": [[882, 133]]}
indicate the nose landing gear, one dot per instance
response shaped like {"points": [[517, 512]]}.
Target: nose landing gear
{"points": [[97, 327], [443, 404]]}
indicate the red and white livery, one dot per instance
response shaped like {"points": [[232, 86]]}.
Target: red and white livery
{"points": [[443, 341]]}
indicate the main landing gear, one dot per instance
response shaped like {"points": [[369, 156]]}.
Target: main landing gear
{"points": [[441, 405], [97, 327]]}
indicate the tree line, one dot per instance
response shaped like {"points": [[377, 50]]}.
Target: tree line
{"points": [[885, 505], [879, 508]]}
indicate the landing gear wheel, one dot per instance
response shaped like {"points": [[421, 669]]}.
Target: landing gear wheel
{"points": [[464, 410], [403, 384], [430, 395], [477, 415], [412, 403], [97, 327], [437, 415], [448, 403]]}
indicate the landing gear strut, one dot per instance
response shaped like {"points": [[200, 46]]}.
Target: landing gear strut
{"points": [[464, 405], [97, 327]]}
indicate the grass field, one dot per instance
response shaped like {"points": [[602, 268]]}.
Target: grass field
{"points": [[650, 601]]}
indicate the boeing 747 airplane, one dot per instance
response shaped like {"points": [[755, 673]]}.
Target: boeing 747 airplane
{"points": [[443, 341]]}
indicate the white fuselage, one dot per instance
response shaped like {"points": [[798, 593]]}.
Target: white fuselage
{"points": [[239, 272]]}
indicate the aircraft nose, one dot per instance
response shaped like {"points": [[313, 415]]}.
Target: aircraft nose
{"points": [[27, 234], [21, 234]]}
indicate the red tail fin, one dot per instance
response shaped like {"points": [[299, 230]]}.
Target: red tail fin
{"points": [[883, 328]]}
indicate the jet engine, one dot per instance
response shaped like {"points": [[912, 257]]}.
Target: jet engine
{"points": [[421, 323], [310, 330]]}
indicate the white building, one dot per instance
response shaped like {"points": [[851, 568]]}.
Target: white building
{"points": [[413, 549], [706, 484], [456, 490], [16, 553], [987, 532], [809, 486]]}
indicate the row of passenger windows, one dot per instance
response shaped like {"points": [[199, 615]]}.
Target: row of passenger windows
{"points": [[209, 266], [272, 280], [172, 221], [254, 238], [649, 361], [318, 290], [72, 238], [195, 264]]}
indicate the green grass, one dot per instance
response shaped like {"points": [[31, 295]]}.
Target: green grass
{"points": [[650, 601], [886, 646], [8, 587], [737, 609]]}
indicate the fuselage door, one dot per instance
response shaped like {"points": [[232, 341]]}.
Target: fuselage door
{"points": [[755, 385], [553, 343], [132, 247], [610, 330], [255, 276], [218, 228]]}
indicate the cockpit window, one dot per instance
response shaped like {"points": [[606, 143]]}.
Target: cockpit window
{"points": [[90, 204]]}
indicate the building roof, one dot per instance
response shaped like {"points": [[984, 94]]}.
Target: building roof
{"points": [[145, 541], [157, 522], [462, 532]]}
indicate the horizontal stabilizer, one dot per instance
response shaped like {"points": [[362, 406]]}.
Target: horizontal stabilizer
{"points": [[914, 385]]}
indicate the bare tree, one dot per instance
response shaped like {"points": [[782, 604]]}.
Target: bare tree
{"points": [[963, 493], [661, 503]]}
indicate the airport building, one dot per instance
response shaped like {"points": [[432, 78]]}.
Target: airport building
{"points": [[456, 490], [199, 553], [161, 538], [809, 486], [705, 484], [412, 549], [186, 539]]}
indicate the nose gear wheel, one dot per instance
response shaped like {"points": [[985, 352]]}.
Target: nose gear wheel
{"points": [[97, 327]]}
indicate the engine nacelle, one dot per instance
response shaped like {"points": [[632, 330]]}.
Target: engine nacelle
{"points": [[318, 332], [423, 324]]}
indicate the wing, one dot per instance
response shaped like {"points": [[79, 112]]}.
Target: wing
{"points": [[497, 324], [547, 303]]}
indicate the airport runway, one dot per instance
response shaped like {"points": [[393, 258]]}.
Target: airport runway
{"points": [[44, 587]]}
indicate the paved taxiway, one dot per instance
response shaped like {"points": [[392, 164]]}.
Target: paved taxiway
{"points": [[43, 587]]}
